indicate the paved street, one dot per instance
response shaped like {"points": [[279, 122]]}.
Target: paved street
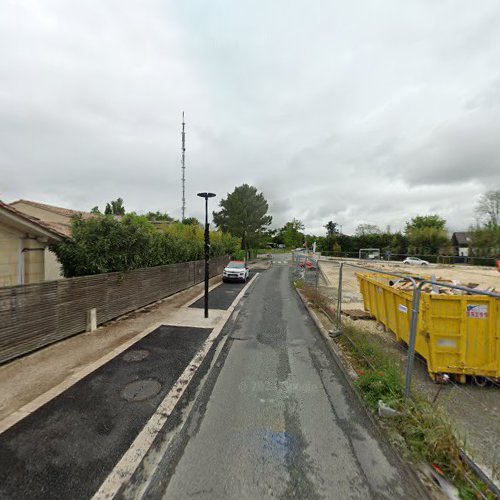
{"points": [[280, 420]]}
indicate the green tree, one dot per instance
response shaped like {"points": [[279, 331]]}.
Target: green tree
{"points": [[115, 207], [95, 210], [485, 240], [243, 214], [331, 228], [191, 221], [426, 234], [291, 233], [158, 216], [426, 221]]}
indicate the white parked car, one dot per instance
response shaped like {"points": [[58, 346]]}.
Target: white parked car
{"points": [[415, 261], [236, 270]]}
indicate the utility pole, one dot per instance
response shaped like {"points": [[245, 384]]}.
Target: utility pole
{"points": [[183, 169]]}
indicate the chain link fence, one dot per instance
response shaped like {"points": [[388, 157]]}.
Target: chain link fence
{"points": [[472, 260]]}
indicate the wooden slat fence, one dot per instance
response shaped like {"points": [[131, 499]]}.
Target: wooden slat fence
{"points": [[33, 316]]}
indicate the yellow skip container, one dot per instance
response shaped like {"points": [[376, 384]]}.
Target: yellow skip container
{"points": [[456, 334]]}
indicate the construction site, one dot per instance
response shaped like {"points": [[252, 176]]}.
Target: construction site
{"points": [[457, 349]]}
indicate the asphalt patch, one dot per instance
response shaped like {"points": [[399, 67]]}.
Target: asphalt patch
{"points": [[222, 296], [67, 448]]}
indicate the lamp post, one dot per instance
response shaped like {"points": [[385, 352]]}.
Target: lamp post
{"points": [[207, 246]]}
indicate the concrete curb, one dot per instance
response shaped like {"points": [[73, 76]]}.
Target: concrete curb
{"points": [[349, 375]]}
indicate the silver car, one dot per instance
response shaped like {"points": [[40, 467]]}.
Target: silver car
{"points": [[236, 270], [415, 261]]}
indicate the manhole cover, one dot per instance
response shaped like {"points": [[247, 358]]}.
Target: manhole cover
{"points": [[137, 355], [141, 390]]}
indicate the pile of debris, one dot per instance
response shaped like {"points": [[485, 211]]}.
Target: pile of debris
{"points": [[436, 289]]}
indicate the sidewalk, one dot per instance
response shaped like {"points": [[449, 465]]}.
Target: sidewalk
{"points": [[30, 381]]}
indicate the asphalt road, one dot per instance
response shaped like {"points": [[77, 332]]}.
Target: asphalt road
{"points": [[222, 296], [280, 419]]}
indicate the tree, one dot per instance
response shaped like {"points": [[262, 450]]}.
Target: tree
{"points": [[364, 229], [95, 210], [115, 207], [426, 234], [191, 221], [426, 221], [291, 233], [159, 216], [243, 214], [485, 240], [331, 228], [488, 207]]}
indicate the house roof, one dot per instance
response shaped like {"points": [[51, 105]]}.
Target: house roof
{"points": [[66, 212], [33, 223], [462, 238]]}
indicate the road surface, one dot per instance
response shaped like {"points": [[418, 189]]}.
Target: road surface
{"points": [[280, 419]]}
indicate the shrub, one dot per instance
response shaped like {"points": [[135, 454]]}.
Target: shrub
{"points": [[105, 244]]}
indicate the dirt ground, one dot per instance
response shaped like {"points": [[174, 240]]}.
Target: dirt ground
{"points": [[475, 411]]}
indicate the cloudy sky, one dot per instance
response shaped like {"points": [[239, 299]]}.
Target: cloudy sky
{"points": [[354, 111]]}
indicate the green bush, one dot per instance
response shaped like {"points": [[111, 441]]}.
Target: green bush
{"points": [[104, 244]]}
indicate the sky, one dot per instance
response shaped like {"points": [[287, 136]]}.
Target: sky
{"points": [[352, 111]]}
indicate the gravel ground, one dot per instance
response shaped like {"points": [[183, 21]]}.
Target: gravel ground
{"points": [[475, 411]]}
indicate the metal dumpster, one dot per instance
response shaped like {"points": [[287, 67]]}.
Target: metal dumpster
{"points": [[456, 334]]}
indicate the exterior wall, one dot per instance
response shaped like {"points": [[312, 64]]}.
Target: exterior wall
{"points": [[40, 213], [34, 261], [463, 251], [53, 269], [10, 256]]}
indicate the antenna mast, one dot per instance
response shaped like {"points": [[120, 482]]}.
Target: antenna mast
{"points": [[183, 169]]}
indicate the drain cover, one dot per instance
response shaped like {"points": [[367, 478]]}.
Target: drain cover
{"points": [[141, 390], [137, 355]]}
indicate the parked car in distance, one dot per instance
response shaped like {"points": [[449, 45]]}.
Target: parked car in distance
{"points": [[415, 261], [236, 270]]}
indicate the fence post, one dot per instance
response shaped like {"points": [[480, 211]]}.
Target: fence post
{"points": [[415, 305], [317, 280], [339, 297]]}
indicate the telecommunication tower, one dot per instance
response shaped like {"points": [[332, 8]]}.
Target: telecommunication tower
{"points": [[183, 169]]}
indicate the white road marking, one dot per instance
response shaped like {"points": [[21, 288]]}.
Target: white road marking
{"points": [[129, 462]]}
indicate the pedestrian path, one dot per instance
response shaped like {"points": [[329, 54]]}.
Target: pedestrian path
{"points": [[73, 442]]}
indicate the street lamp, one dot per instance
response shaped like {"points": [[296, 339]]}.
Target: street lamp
{"points": [[207, 246]]}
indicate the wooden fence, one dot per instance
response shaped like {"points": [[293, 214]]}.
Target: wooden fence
{"points": [[33, 316]]}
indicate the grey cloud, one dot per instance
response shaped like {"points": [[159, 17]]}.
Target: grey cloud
{"points": [[348, 111]]}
